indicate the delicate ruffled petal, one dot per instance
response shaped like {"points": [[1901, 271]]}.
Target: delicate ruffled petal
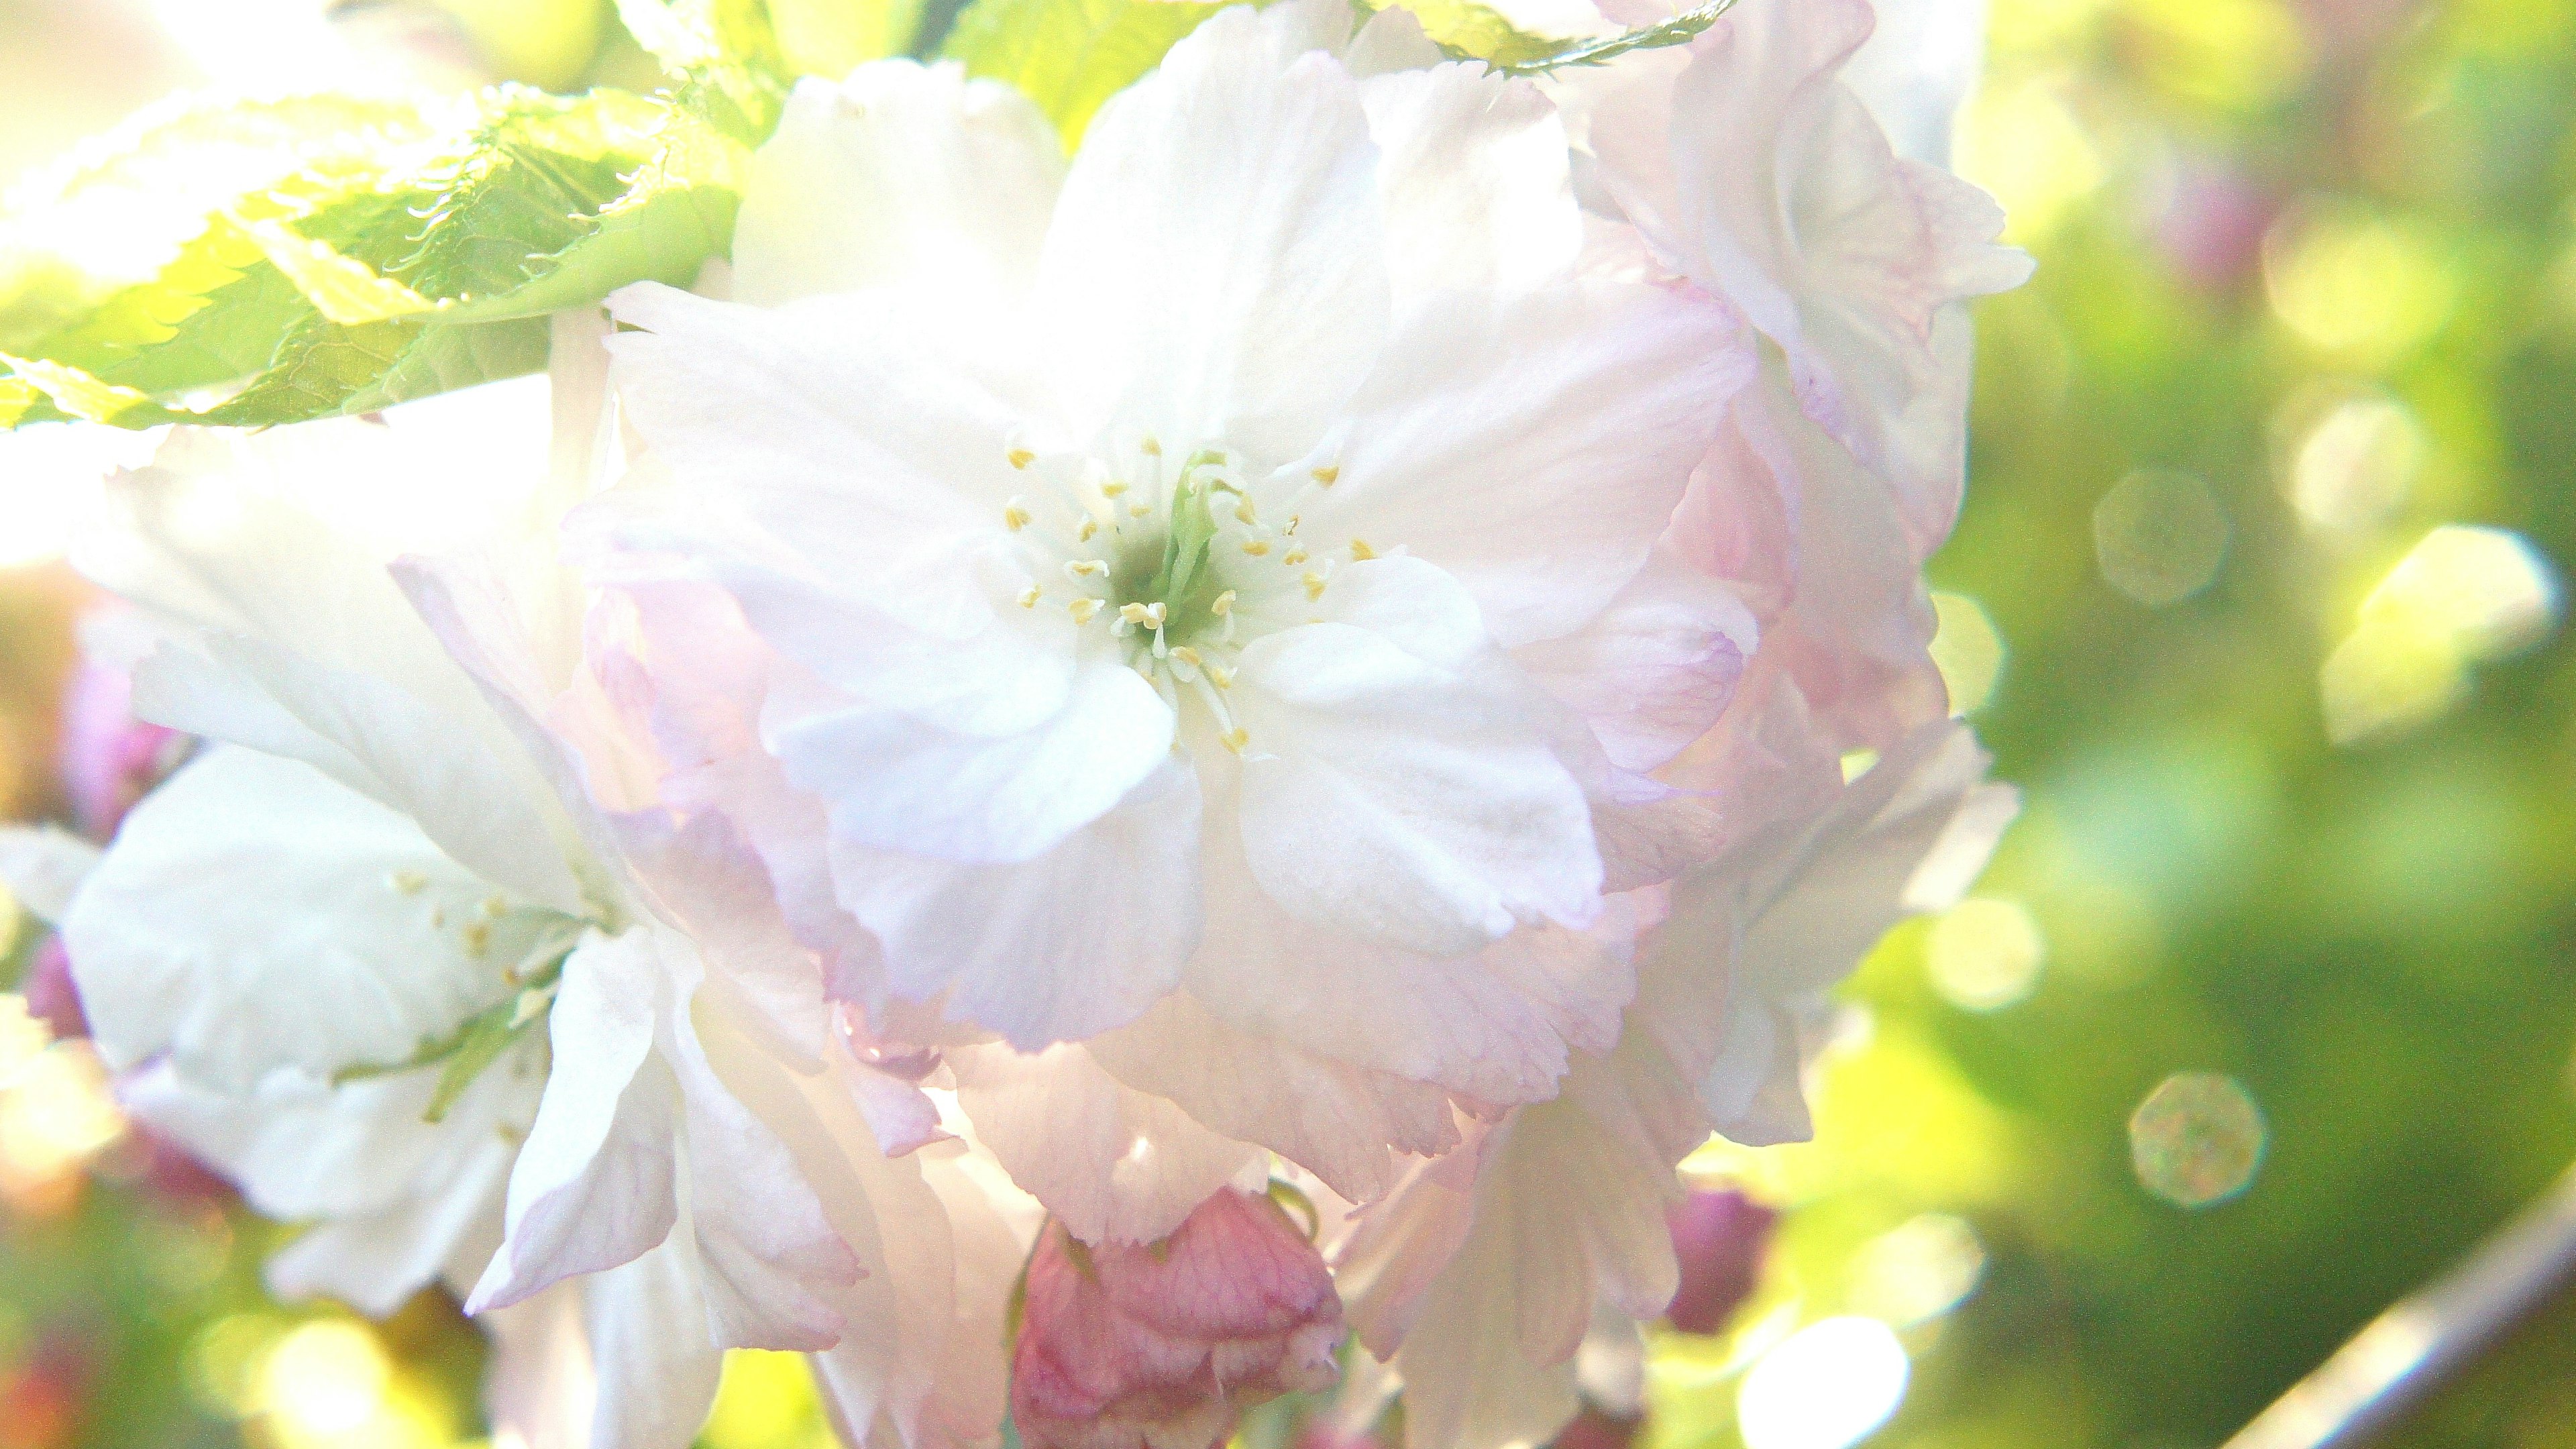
{"points": [[656, 1376], [1535, 448], [1474, 180], [1111, 1163], [846, 427], [250, 896], [894, 782], [1062, 947], [1349, 1125], [1392, 791], [1493, 1025], [1656, 669], [1917, 69], [595, 1182], [1758, 935], [539, 1386], [902, 174], [1217, 268], [392, 1197]]}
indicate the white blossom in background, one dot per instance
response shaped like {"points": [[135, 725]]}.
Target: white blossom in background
{"points": [[387, 849]]}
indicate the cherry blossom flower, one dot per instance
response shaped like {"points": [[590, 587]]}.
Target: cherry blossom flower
{"points": [[1208, 634]]}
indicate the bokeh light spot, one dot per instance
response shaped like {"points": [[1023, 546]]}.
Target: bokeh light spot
{"points": [[1967, 650], [2462, 596], [2356, 466], [2197, 1139], [2357, 285], [1984, 954], [1824, 1387], [1918, 1271], [325, 1379], [2160, 536]]}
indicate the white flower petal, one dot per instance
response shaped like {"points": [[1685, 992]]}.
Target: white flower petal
{"points": [[1762, 932], [1216, 271], [656, 1376], [43, 867], [250, 898], [1058, 948], [1474, 179], [897, 783], [899, 174], [1112, 1163], [1656, 669], [1535, 448], [1399, 798], [594, 1184], [1350, 1126]]}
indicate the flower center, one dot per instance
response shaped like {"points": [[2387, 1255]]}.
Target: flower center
{"points": [[1180, 566]]}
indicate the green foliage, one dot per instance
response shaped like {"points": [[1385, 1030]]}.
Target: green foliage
{"points": [[419, 257], [1069, 56]]}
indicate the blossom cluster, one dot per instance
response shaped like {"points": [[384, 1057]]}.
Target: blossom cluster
{"points": [[1073, 778]]}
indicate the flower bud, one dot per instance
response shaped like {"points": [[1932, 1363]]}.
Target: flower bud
{"points": [[1720, 1239], [1159, 1346]]}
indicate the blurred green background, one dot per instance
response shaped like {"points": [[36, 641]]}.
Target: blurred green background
{"points": [[2256, 596]]}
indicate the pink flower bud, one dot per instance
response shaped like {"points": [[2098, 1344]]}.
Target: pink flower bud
{"points": [[1719, 1238], [52, 997], [1160, 1346], [1597, 1428]]}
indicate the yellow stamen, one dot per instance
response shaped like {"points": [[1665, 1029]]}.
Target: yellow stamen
{"points": [[1256, 547], [1293, 557], [1085, 568], [1314, 583], [1015, 517], [1237, 738], [1222, 604], [1022, 457], [1327, 476], [1029, 597], [1361, 550], [1082, 609]]}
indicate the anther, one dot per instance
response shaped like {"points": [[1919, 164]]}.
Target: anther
{"points": [[1237, 739], [1089, 527], [1222, 604], [1139, 508], [1187, 655], [1022, 457], [1149, 615], [1112, 488], [409, 882], [1218, 675], [1243, 511], [1293, 557], [478, 938], [1314, 583], [1014, 516], [1083, 568], [1361, 551], [1150, 448], [1256, 546], [1327, 476], [1029, 597], [1082, 609]]}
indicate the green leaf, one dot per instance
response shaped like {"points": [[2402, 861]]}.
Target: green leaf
{"points": [[347, 289], [123, 207], [1681, 29], [1069, 56], [1466, 30]]}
